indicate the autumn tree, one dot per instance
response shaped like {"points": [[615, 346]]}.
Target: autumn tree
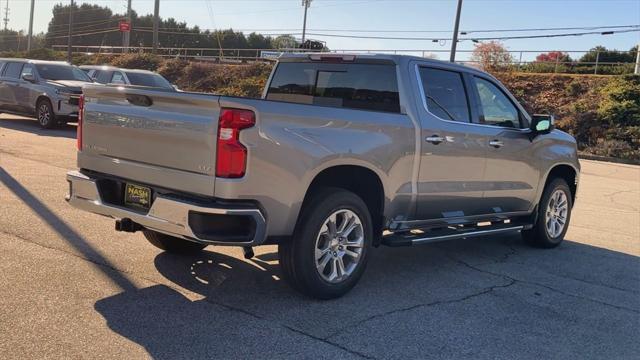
{"points": [[491, 56], [554, 56]]}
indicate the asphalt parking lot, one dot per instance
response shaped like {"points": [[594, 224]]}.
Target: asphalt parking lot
{"points": [[71, 287]]}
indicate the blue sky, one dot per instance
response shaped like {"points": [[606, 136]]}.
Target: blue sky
{"points": [[428, 15]]}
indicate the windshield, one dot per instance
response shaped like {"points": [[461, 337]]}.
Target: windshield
{"points": [[151, 80], [61, 72]]}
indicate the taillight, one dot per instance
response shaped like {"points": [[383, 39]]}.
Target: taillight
{"points": [[231, 156], [80, 116]]}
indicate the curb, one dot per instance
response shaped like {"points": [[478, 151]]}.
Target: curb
{"points": [[608, 159]]}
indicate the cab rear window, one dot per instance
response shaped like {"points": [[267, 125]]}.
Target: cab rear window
{"points": [[371, 87]]}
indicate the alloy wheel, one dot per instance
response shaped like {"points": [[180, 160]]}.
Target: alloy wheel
{"points": [[557, 213], [44, 114], [339, 246]]}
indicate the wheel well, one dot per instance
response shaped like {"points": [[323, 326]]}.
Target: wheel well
{"points": [[567, 173], [359, 180], [40, 98]]}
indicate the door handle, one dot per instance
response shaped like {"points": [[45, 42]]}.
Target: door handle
{"points": [[435, 139], [496, 143]]}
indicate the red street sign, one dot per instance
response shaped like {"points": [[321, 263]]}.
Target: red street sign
{"points": [[124, 26]]}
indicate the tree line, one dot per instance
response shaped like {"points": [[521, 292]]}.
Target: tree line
{"points": [[494, 56], [97, 25]]}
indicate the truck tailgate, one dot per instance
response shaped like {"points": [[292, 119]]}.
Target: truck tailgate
{"points": [[154, 137]]}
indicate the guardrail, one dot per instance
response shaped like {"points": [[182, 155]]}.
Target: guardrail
{"points": [[187, 53], [521, 58]]}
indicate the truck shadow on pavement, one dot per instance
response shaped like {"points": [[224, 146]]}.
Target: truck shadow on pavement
{"points": [[427, 301], [31, 125]]}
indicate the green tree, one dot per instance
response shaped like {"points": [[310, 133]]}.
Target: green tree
{"points": [[257, 41], [285, 42], [602, 54]]}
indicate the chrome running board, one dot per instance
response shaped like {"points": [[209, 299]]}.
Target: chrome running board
{"points": [[409, 238]]}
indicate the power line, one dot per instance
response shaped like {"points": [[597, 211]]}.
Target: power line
{"points": [[213, 22], [415, 38], [83, 34], [96, 22], [462, 32], [82, 28], [551, 29], [474, 38]]}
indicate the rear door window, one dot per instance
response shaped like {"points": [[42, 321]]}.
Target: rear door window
{"points": [[117, 78], [12, 70], [371, 87], [150, 80], [104, 77], [445, 94]]}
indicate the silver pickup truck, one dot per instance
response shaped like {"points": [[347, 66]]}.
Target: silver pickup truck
{"points": [[343, 153]]}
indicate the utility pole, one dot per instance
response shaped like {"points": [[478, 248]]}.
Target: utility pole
{"points": [[306, 4], [454, 41], [156, 13], [6, 16], [127, 39], [29, 38], [637, 70], [69, 40]]}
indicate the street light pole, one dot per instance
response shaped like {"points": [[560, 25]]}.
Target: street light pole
{"points": [[156, 13], [306, 4], [127, 39], [454, 41], [637, 70], [69, 41], [30, 26]]}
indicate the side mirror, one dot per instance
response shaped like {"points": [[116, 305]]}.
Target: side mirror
{"points": [[542, 124], [28, 77]]}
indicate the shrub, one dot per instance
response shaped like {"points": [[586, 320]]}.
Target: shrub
{"points": [[137, 61], [621, 101], [248, 87], [573, 88], [173, 69], [615, 148]]}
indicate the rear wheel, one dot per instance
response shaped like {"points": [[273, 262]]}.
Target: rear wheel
{"points": [[172, 244], [554, 213], [329, 250], [44, 114]]}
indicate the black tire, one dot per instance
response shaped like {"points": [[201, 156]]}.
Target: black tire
{"points": [[297, 256], [539, 235], [172, 244], [45, 115]]}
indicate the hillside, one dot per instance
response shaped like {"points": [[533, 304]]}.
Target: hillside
{"points": [[602, 112]]}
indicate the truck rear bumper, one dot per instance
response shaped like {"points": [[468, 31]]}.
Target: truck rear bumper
{"points": [[176, 217]]}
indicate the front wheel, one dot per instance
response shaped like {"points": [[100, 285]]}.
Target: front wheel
{"points": [[554, 213], [329, 250], [45, 114]]}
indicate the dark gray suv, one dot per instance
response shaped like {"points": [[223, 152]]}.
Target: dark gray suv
{"points": [[48, 90]]}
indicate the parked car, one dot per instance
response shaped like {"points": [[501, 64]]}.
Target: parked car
{"points": [[47, 89], [112, 75], [342, 154]]}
